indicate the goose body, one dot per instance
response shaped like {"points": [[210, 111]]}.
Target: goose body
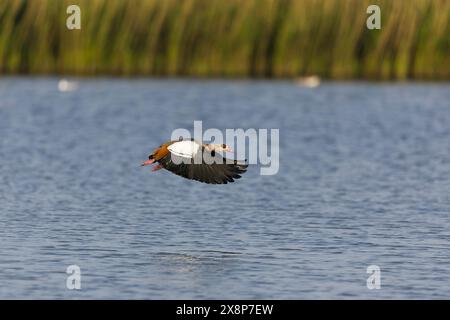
{"points": [[187, 149], [196, 161]]}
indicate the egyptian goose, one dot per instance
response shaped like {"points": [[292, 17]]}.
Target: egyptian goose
{"points": [[196, 161]]}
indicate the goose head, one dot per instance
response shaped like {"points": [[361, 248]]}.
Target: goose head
{"points": [[220, 147]]}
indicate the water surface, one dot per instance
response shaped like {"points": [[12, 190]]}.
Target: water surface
{"points": [[364, 180]]}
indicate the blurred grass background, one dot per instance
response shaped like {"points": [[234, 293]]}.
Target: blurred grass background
{"points": [[228, 38]]}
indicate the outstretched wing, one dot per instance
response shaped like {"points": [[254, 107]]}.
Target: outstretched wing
{"points": [[205, 166]]}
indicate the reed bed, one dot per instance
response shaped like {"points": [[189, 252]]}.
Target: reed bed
{"points": [[228, 38]]}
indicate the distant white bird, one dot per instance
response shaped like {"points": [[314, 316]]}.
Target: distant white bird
{"points": [[65, 85], [309, 82]]}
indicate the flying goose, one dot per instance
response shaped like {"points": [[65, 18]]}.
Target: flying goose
{"points": [[196, 161]]}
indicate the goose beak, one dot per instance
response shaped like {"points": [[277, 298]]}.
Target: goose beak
{"points": [[148, 162], [228, 149]]}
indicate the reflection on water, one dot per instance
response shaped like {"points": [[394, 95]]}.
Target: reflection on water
{"points": [[363, 180]]}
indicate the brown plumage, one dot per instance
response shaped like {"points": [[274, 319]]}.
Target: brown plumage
{"points": [[196, 161]]}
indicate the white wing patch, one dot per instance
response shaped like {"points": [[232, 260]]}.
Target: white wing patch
{"points": [[187, 149]]}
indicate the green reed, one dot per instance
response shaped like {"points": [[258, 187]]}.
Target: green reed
{"points": [[228, 38]]}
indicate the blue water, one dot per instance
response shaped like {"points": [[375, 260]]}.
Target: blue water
{"points": [[364, 180]]}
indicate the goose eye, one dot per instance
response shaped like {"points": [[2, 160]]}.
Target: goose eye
{"points": [[224, 146]]}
